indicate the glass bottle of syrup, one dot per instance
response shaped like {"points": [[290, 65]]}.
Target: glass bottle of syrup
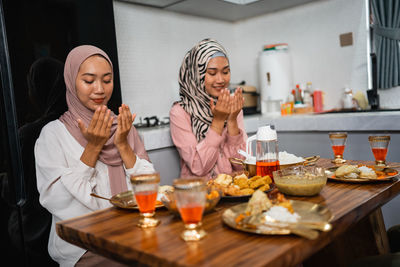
{"points": [[267, 154]]}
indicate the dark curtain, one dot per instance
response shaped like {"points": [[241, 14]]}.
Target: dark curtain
{"points": [[386, 36]]}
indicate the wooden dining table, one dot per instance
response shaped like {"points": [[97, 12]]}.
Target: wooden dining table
{"points": [[357, 231]]}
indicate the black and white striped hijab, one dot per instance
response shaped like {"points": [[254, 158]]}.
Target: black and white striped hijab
{"points": [[194, 98]]}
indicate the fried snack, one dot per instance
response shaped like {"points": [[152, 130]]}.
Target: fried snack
{"points": [[267, 179], [252, 179], [165, 188], [246, 191], [347, 171], [213, 194], [240, 176], [258, 183], [223, 179], [232, 190], [242, 182], [368, 175], [258, 203], [264, 187]]}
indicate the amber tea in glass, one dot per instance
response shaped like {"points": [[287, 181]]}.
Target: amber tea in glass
{"points": [[145, 189], [190, 195], [379, 146], [338, 143]]}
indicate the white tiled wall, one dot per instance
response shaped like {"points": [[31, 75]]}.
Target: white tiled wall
{"points": [[151, 45], [312, 32], [152, 42]]}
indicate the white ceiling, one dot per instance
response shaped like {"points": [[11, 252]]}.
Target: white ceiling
{"points": [[218, 9]]}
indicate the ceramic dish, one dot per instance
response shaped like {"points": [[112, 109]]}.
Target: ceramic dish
{"points": [[310, 213], [383, 176]]}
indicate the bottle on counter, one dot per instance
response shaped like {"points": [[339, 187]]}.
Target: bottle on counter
{"points": [[318, 101], [290, 100], [297, 97], [308, 100], [347, 100]]}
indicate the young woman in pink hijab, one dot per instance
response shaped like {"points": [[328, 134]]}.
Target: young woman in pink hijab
{"points": [[207, 123], [88, 149]]}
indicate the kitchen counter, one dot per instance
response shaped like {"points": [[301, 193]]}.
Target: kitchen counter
{"points": [[159, 137]]}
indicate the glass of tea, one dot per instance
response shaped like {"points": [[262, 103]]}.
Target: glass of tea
{"points": [[145, 189], [338, 142], [379, 145], [190, 195]]}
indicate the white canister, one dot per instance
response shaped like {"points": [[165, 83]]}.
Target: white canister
{"points": [[275, 74]]}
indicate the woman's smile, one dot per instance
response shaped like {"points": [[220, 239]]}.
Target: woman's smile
{"points": [[98, 100]]}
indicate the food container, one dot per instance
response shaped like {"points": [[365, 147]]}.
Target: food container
{"points": [[300, 180], [250, 166], [213, 197]]}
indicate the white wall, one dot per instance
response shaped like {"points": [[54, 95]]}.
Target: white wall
{"points": [[312, 32], [151, 44]]}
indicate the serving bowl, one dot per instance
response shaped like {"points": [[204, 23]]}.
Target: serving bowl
{"points": [[300, 180], [213, 197], [249, 165]]}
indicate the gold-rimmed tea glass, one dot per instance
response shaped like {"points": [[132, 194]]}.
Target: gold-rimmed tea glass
{"points": [[145, 189], [379, 146], [190, 195], [338, 143]]}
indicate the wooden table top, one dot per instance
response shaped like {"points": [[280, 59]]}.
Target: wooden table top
{"points": [[112, 232]]}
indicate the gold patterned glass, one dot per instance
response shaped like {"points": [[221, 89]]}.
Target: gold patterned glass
{"points": [[379, 146], [338, 143], [190, 195], [145, 189]]}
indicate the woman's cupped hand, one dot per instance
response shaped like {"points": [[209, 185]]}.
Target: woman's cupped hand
{"points": [[227, 107], [99, 129], [236, 104], [125, 121], [221, 109]]}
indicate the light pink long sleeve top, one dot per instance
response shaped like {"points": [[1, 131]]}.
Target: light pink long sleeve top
{"points": [[210, 156]]}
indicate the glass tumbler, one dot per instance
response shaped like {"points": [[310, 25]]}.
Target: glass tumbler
{"points": [[338, 143], [145, 189], [379, 146], [190, 195]]}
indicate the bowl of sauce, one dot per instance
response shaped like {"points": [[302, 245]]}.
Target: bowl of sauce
{"points": [[300, 180]]}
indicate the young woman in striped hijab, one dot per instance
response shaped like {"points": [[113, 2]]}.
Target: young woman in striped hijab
{"points": [[207, 123]]}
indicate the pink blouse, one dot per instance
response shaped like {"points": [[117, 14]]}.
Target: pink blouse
{"points": [[211, 155]]}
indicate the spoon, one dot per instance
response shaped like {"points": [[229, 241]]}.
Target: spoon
{"points": [[321, 226], [259, 220], [95, 195], [381, 168], [118, 202]]}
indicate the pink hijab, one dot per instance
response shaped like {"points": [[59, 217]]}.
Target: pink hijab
{"points": [[109, 154]]}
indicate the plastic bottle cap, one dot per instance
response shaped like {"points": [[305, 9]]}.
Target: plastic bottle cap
{"points": [[265, 133]]}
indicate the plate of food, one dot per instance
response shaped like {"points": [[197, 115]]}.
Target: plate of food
{"points": [[360, 174], [126, 200], [238, 186], [278, 216]]}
